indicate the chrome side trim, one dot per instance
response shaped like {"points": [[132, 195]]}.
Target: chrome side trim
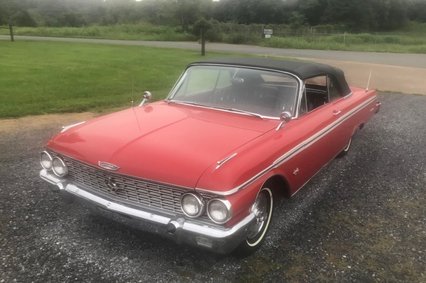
{"points": [[347, 95], [225, 193], [294, 151], [226, 159], [64, 128], [180, 223]]}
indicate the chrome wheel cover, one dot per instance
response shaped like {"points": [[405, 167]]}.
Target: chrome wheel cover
{"points": [[262, 209]]}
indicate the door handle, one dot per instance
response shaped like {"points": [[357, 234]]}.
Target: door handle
{"points": [[336, 112]]}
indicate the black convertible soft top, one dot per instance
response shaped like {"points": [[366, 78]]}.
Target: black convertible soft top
{"points": [[303, 70]]}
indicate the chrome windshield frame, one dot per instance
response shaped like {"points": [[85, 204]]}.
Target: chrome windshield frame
{"points": [[180, 80]]}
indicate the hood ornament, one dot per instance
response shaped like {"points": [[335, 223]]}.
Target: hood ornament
{"points": [[108, 166]]}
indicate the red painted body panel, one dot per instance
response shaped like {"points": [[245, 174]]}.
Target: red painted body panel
{"points": [[167, 143], [258, 155], [262, 152], [181, 145]]}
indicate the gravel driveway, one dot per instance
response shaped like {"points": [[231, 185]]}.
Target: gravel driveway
{"points": [[363, 218]]}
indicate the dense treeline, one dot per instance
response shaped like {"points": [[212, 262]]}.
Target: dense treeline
{"points": [[359, 15]]}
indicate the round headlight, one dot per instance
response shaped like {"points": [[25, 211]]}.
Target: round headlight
{"points": [[219, 210], [59, 167], [192, 205], [46, 160]]}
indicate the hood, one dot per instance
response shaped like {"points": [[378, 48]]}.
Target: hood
{"points": [[168, 143]]}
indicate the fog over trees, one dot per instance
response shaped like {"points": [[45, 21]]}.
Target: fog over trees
{"points": [[353, 15]]}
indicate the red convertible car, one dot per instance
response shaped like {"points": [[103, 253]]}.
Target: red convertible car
{"points": [[206, 165]]}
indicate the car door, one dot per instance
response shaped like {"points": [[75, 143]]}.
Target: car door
{"points": [[320, 131], [340, 106]]}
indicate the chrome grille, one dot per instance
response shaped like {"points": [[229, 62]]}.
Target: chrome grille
{"points": [[128, 190]]}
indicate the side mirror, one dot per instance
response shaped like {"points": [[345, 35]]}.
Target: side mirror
{"points": [[146, 97], [285, 117]]}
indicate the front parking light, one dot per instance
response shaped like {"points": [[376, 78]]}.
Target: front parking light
{"points": [[59, 167], [46, 160]]}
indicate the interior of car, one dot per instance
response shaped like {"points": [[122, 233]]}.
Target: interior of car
{"points": [[318, 91]]}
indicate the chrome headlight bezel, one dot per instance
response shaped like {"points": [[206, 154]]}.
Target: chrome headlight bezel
{"points": [[47, 162], [60, 164], [197, 200], [224, 204]]}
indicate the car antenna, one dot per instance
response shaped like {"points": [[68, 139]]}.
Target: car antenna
{"points": [[368, 82], [133, 98]]}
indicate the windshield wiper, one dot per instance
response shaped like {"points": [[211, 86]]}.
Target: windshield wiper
{"points": [[217, 107], [244, 112], [185, 102]]}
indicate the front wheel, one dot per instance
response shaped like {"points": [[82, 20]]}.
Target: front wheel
{"points": [[262, 209]]}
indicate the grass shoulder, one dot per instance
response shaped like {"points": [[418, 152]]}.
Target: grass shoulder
{"points": [[56, 77]]}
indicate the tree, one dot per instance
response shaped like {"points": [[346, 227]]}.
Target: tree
{"points": [[416, 10], [361, 15], [200, 29], [71, 20], [187, 11], [313, 10], [23, 18]]}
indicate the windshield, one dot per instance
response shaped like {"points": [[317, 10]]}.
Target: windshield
{"points": [[252, 91]]}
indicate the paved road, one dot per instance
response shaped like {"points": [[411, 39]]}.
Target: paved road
{"points": [[362, 219], [395, 59]]}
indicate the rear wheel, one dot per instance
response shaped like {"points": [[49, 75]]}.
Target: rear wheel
{"points": [[262, 209]]}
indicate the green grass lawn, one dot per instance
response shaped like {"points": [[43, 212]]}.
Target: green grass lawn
{"points": [[52, 77]]}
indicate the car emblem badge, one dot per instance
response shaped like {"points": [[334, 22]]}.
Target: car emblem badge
{"points": [[112, 185], [108, 166]]}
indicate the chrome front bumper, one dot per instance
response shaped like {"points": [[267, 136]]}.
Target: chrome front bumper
{"points": [[181, 230]]}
